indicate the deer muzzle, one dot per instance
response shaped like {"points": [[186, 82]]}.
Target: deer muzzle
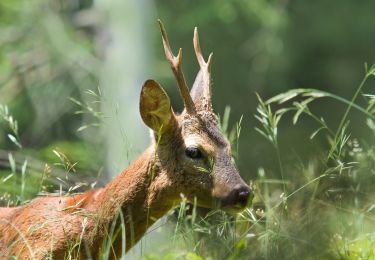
{"points": [[237, 199]]}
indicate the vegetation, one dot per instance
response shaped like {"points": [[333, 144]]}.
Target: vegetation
{"points": [[310, 158]]}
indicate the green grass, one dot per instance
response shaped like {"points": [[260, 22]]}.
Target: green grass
{"points": [[319, 209]]}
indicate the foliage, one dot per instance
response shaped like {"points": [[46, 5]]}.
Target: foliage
{"points": [[311, 156]]}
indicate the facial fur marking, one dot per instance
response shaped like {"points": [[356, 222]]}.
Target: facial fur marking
{"points": [[215, 135], [206, 126], [197, 141]]}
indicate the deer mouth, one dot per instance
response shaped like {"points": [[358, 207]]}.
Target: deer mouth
{"points": [[235, 208]]}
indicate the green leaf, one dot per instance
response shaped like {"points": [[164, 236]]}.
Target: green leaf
{"points": [[8, 177], [286, 96], [297, 114], [75, 101], [13, 139], [316, 132], [12, 162], [268, 137]]}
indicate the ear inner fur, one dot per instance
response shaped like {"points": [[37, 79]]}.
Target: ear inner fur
{"points": [[155, 107]]}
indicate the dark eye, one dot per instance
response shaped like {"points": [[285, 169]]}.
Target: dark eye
{"points": [[193, 153]]}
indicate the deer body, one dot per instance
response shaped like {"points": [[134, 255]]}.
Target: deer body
{"points": [[188, 155], [49, 224], [60, 219]]}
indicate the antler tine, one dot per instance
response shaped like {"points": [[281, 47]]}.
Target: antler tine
{"points": [[198, 53], [175, 63], [204, 66]]}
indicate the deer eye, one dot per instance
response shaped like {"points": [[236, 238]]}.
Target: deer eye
{"points": [[193, 152]]}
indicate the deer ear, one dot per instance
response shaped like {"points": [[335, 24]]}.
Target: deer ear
{"points": [[155, 107]]}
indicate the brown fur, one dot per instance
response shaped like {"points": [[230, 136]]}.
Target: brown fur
{"points": [[48, 224], [144, 192]]}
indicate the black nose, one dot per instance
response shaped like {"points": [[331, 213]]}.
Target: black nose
{"points": [[238, 197], [241, 195]]}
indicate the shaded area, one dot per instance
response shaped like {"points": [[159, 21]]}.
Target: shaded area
{"points": [[59, 81]]}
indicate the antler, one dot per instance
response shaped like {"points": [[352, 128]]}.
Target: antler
{"points": [[175, 63], [205, 68]]}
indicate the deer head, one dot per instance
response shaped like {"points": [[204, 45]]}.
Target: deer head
{"points": [[192, 154]]}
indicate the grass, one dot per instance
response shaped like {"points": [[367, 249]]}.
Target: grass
{"points": [[319, 209]]}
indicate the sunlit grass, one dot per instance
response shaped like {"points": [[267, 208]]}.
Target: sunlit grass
{"points": [[319, 209]]}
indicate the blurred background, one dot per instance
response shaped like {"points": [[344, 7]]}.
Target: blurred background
{"points": [[71, 72]]}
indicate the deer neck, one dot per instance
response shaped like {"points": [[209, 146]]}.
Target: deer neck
{"points": [[142, 192]]}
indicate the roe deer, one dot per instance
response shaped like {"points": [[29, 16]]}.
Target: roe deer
{"points": [[188, 155]]}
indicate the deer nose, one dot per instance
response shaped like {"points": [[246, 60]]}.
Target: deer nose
{"points": [[241, 195]]}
